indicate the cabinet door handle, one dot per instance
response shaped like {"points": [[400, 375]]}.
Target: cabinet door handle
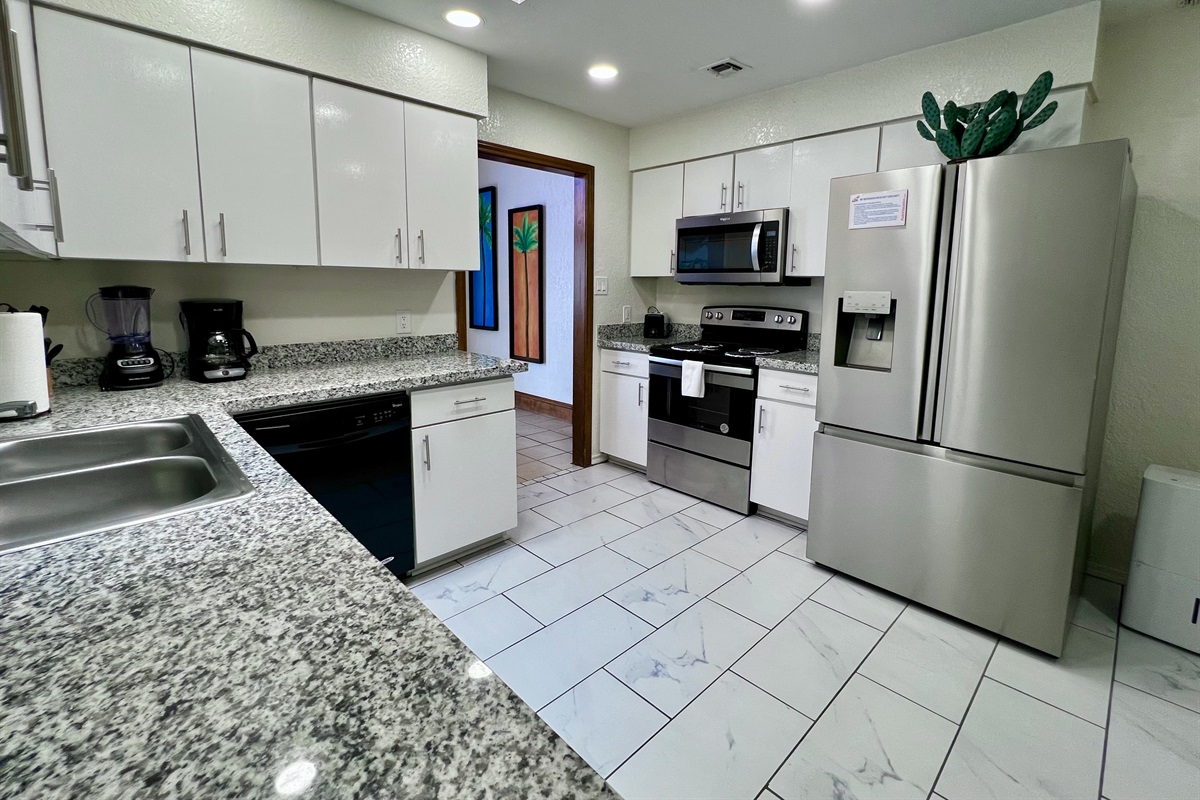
{"points": [[791, 388], [795, 247], [472, 400], [620, 363], [187, 235], [724, 192], [421, 246], [221, 225], [399, 246], [741, 195], [672, 262], [428, 459], [762, 412], [55, 206], [641, 386], [16, 138]]}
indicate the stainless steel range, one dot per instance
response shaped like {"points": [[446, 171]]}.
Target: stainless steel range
{"points": [[701, 445]]}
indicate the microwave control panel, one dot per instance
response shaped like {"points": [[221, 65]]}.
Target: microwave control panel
{"points": [[768, 248]]}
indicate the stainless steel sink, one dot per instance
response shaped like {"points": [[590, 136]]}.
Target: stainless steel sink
{"points": [[63, 485], [90, 447]]}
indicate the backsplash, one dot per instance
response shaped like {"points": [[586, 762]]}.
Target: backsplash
{"points": [[85, 371]]}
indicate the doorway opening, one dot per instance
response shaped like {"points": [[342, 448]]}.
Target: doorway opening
{"points": [[546, 416]]}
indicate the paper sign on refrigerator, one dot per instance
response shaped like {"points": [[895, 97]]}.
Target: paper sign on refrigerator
{"points": [[879, 209]]}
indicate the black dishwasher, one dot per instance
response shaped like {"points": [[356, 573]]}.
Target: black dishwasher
{"points": [[355, 457]]}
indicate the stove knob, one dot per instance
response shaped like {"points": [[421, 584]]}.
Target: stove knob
{"points": [[778, 318], [720, 315], [791, 320], [708, 315]]}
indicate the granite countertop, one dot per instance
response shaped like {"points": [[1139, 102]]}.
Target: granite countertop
{"points": [[797, 361], [629, 338], [243, 650]]}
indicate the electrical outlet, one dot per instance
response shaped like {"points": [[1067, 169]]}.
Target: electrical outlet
{"points": [[403, 322], [601, 284], [626, 313]]}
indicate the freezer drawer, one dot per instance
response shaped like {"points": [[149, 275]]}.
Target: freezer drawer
{"points": [[992, 548]]}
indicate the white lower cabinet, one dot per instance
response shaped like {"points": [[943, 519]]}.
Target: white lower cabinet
{"points": [[624, 406], [464, 482], [781, 465]]}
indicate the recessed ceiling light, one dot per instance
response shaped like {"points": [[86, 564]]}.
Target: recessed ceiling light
{"points": [[603, 72], [463, 18]]}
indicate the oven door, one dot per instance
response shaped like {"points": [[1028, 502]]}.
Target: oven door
{"points": [[742, 248], [719, 425]]}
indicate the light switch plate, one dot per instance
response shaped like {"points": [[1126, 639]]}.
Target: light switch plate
{"points": [[601, 284], [626, 313], [403, 322]]}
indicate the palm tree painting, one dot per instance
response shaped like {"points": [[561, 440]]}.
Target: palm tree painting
{"points": [[528, 312], [485, 298]]}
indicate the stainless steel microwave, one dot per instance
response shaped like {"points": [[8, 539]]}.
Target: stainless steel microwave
{"points": [[739, 247]]}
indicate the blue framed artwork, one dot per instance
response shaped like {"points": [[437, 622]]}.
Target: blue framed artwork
{"points": [[484, 298]]}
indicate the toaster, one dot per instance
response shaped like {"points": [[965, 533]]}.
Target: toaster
{"points": [[656, 324]]}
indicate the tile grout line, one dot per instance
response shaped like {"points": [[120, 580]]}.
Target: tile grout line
{"points": [[767, 786], [966, 712], [1112, 690], [1043, 702], [909, 699], [1155, 696]]}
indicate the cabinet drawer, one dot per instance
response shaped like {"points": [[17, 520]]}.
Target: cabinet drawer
{"points": [[623, 363], [789, 387], [448, 403]]}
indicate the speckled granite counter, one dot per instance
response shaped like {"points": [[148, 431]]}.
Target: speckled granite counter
{"points": [[629, 338], [799, 361], [240, 650]]}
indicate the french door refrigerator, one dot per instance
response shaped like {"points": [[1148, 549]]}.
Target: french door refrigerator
{"points": [[964, 391]]}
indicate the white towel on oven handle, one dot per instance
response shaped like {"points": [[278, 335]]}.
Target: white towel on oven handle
{"points": [[693, 379]]}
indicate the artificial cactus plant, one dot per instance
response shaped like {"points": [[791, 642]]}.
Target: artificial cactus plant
{"points": [[985, 129]]}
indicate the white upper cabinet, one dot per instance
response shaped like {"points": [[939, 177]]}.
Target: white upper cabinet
{"points": [[657, 202], [708, 186], [360, 177], [443, 189], [762, 178], [815, 162], [121, 140], [254, 132], [901, 147]]}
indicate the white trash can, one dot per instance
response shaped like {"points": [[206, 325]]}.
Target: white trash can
{"points": [[1162, 597]]}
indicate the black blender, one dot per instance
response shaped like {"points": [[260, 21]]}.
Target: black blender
{"points": [[132, 362]]}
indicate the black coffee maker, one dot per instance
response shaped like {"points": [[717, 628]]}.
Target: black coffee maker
{"points": [[217, 342]]}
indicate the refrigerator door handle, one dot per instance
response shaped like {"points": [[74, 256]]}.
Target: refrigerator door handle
{"points": [[939, 319], [946, 329]]}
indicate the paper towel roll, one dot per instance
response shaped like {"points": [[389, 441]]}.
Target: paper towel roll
{"points": [[22, 363]]}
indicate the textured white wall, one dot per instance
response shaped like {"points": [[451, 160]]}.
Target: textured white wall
{"points": [[1147, 92], [282, 304], [320, 37], [966, 70], [530, 124], [517, 187]]}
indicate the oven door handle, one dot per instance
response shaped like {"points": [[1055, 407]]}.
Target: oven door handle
{"points": [[707, 367]]}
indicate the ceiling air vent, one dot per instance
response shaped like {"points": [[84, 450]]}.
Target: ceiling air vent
{"points": [[725, 67]]}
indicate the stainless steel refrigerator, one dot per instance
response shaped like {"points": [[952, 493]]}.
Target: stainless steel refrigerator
{"points": [[970, 318]]}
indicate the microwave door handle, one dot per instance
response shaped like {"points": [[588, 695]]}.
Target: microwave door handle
{"points": [[754, 247]]}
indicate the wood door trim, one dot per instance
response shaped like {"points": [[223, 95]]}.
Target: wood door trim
{"points": [[584, 269]]}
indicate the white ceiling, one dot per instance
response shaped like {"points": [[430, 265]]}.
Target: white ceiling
{"points": [[542, 48]]}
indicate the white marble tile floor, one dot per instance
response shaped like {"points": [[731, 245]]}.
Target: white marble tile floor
{"points": [[687, 652]]}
